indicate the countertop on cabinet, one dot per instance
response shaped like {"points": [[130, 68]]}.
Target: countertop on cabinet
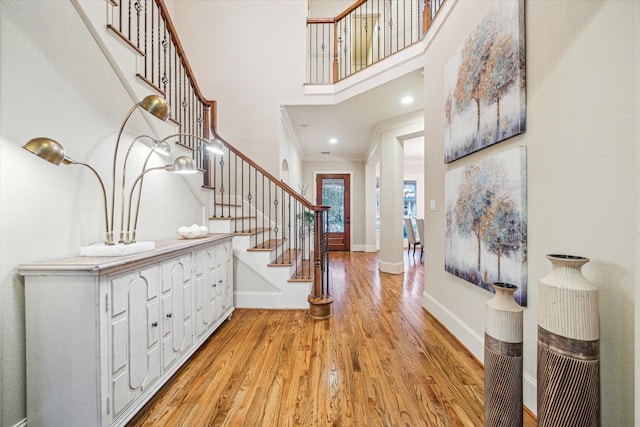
{"points": [[105, 264]]}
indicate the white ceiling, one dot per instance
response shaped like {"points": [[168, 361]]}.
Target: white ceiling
{"points": [[353, 122]]}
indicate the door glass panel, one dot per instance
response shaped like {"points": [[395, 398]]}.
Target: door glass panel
{"points": [[333, 196], [409, 196]]}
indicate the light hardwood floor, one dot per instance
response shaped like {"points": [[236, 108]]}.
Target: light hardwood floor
{"points": [[380, 360]]}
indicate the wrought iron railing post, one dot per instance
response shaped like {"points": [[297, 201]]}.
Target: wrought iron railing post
{"points": [[336, 75], [319, 299]]}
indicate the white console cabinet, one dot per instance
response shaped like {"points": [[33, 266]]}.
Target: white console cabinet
{"points": [[105, 333]]}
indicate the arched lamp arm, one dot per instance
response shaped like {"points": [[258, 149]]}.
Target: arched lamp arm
{"points": [[157, 107], [124, 174], [109, 236], [115, 159], [133, 187]]}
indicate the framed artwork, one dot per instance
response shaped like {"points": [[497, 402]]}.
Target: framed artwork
{"points": [[486, 221], [485, 83]]}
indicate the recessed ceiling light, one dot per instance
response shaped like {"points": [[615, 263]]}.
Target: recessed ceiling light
{"points": [[333, 141], [407, 100]]}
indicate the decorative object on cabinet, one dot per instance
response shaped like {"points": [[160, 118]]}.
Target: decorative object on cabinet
{"points": [[54, 152], [195, 231], [104, 334], [503, 358], [485, 83], [486, 221], [568, 346]]}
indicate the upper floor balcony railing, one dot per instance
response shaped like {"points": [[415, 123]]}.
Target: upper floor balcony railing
{"points": [[365, 33]]}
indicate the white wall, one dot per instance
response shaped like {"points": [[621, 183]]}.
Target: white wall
{"points": [[328, 8], [581, 146], [55, 82], [290, 151], [250, 57]]}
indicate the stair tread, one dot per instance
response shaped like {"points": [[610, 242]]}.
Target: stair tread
{"points": [[267, 245], [252, 232], [226, 204], [285, 259], [306, 267], [227, 218]]}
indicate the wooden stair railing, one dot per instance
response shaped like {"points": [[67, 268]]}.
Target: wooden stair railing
{"points": [[265, 203], [146, 26], [253, 199]]}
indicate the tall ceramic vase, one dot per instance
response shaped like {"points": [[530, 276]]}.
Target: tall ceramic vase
{"points": [[503, 359], [568, 346]]}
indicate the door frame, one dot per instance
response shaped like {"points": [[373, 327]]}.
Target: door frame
{"points": [[315, 195]]}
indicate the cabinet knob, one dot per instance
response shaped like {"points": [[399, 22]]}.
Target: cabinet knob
{"points": [[169, 315], [154, 324]]}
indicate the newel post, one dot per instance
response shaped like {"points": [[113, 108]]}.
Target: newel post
{"points": [[319, 299], [426, 16]]}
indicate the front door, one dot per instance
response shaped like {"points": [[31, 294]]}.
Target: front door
{"points": [[333, 190]]}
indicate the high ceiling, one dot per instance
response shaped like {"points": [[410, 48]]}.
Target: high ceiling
{"points": [[353, 122]]}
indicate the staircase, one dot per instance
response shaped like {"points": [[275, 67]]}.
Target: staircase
{"points": [[280, 256], [269, 272]]}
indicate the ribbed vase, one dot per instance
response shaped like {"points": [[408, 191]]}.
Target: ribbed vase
{"points": [[568, 346], [503, 359]]}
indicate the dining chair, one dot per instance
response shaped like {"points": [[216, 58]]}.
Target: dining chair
{"points": [[420, 227], [411, 235]]}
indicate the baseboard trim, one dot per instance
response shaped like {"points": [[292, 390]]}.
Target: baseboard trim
{"points": [[475, 344], [466, 336], [391, 267]]}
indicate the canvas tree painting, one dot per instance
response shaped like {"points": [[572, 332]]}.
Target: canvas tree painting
{"points": [[485, 83], [486, 221]]}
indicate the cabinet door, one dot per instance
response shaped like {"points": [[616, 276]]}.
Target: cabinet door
{"points": [[205, 284], [225, 285], [134, 359], [226, 276], [177, 305]]}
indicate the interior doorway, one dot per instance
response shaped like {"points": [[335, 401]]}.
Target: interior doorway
{"points": [[333, 190]]}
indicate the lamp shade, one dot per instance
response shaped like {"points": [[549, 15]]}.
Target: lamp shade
{"points": [[157, 106], [215, 146], [184, 165], [163, 148], [47, 149]]}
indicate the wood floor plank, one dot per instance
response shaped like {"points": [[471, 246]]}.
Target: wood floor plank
{"points": [[380, 360]]}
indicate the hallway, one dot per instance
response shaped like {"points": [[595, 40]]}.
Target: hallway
{"points": [[381, 360]]}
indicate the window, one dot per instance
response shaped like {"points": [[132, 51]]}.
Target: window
{"points": [[409, 197]]}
